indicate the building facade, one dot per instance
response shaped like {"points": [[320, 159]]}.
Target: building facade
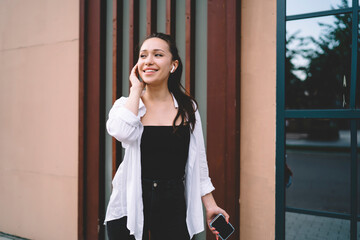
{"points": [[277, 84]]}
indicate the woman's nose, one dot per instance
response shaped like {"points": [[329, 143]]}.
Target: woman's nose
{"points": [[149, 60]]}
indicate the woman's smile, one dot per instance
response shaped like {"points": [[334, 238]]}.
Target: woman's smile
{"points": [[149, 71]]}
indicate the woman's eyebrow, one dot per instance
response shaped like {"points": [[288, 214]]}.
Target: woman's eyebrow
{"points": [[154, 50]]}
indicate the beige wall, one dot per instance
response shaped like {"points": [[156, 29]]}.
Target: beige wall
{"points": [[39, 94], [258, 112]]}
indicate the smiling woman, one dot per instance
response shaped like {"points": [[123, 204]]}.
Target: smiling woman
{"points": [[155, 62], [160, 68], [159, 186]]}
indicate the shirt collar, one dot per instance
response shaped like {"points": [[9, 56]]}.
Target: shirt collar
{"points": [[176, 105]]}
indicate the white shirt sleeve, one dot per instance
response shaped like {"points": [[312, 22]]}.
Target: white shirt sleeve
{"points": [[123, 124], [205, 182]]}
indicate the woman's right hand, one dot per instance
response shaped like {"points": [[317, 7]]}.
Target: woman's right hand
{"points": [[136, 84], [136, 91]]}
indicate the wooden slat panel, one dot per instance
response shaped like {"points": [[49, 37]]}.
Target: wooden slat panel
{"points": [[190, 47], [91, 168], [170, 18], [133, 32], [117, 73], [150, 17], [223, 137]]}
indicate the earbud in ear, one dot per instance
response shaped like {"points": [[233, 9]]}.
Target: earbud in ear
{"points": [[173, 68]]}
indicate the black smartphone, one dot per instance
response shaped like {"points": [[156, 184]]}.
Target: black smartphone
{"points": [[225, 229], [138, 74]]}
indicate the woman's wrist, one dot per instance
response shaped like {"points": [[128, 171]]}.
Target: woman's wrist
{"points": [[209, 201], [133, 100], [136, 90]]}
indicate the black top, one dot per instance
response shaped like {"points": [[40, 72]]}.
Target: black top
{"points": [[164, 152]]}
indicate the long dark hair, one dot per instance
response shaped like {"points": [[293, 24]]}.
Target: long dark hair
{"points": [[187, 104]]}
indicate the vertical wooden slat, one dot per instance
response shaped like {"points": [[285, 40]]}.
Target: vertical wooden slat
{"points": [[216, 120], [233, 112], [92, 105], [133, 32], [117, 73], [223, 101], [150, 17], [115, 49], [170, 18], [190, 47], [114, 77], [81, 205]]}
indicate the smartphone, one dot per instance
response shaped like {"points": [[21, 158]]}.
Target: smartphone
{"points": [[138, 74], [225, 229]]}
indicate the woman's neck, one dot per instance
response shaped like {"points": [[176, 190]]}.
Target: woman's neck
{"points": [[156, 94]]}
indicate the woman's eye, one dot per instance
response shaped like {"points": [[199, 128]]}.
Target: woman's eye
{"points": [[158, 55], [142, 56]]}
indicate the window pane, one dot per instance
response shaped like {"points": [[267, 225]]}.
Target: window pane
{"points": [[358, 161], [302, 226], [305, 6], [318, 63], [318, 157], [358, 71]]}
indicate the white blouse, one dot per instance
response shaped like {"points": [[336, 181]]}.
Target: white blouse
{"points": [[126, 196]]}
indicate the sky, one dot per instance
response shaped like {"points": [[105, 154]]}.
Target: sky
{"points": [[305, 6], [307, 27]]}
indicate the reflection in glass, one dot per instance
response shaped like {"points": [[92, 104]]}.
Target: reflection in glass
{"points": [[318, 63], [302, 226], [318, 157], [306, 6]]}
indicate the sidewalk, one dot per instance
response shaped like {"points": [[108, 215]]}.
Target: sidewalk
{"points": [[308, 227], [4, 236], [294, 140]]}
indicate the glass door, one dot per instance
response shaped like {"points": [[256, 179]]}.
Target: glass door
{"points": [[318, 120]]}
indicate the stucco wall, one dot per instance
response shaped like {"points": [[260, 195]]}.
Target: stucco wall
{"points": [[258, 113], [39, 94]]}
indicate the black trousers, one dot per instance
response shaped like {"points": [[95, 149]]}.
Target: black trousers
{"points": [[164, 213]]}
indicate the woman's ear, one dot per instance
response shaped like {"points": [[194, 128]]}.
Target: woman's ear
{"points": [[174, 66]]}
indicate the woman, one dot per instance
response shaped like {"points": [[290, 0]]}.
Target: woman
{"points": [[158, 188]]}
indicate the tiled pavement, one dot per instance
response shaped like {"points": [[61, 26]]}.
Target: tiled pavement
{"points": [[308, 227], [298, 227]]}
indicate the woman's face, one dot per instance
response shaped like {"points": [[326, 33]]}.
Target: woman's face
{"points": [[155, 61]]}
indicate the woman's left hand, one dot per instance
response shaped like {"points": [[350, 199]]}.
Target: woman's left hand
{"points": [[211, 213]]}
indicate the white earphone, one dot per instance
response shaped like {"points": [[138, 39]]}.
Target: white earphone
{"points": [[172, 70]]}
